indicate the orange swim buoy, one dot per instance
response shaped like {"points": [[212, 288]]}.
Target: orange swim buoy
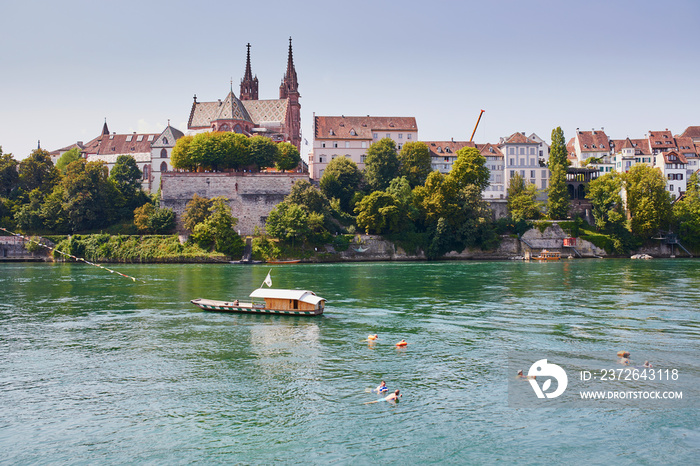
{"points": [[402, 343], [373, 337]]}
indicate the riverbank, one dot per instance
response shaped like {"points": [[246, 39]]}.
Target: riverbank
{"points": [[350, 248]]}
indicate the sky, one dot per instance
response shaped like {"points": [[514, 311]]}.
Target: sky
{"points": [[626, 66]]}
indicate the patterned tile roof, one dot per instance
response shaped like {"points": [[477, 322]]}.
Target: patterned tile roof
{"points": [[349, 127], [446, 148], [489, 150], [593, 141], [518, 138], [168, 137], [261, 111], [232, 109], [140, 157], [202, 114]]}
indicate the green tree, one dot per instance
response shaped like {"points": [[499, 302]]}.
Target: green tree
{"points": [[235, 152], [88, 195], [341, 180], [470, 168], [381, 164], [218, 230], [648, 201], [38, 172], [196, 211], [414, 162], [687, 213], [378, 213], [126, 176], [522, 203], [162, 221], [262, 151], [308, 196], [558, 155], [53, 214], [557, 194], [28, 217], [608, 208], [9, 176], [180, 156], [288, 222], [287, 157], [142, 215], [69, 156]]}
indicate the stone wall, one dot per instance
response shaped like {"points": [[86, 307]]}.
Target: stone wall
{"points": [[251, 195], [13, 248]]}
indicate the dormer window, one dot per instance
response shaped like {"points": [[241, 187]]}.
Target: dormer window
{"points": [[447, 149], [586, 146], [666, 136], [139, 138], [331, 132], [128, 138], [593, 146], [439, 149], [602, 146], [353, 133]]}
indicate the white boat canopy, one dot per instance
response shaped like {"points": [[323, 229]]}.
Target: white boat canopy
{"points": [[299, 295]]}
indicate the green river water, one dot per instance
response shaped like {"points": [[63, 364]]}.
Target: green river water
{"points": [[97, 369]]}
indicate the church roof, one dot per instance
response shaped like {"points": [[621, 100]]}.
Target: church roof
{"points": [[232, 109], [202, 114], [262, 111]]}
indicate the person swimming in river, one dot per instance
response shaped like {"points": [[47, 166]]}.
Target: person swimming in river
{"points": [[624, 357], [381, 388], [373, 338], [524, 377], [391, 397]]}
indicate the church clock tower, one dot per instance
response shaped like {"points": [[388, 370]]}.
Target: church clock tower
{"points": [[289, 89], [249, 85]]}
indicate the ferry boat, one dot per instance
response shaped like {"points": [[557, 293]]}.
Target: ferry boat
{"points": [[277, 301], [548, 256]]}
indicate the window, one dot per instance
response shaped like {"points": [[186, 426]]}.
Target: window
{"points": [[532, 151], [335, 144], [333, 156], [388, 135], [347, 144], [353, 133], [139, 138], [364, 144], [544, 183], [163, 154], [408, 136], [128, 138], [512, 161], [512, 173], [540, 153], [362, 158], [164, 167], [146, 169], [165, 140], [323, 144], [522, 161], [532, 162], [544, 173], [400, 136], [400, 146], [522, 151], [320, 159], [670, 187], [532, 173], [151, 137], [375, 135]]}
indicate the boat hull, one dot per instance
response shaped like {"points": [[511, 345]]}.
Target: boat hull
{"points": [[249, 308]]}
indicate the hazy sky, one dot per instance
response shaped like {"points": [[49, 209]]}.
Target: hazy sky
{"points": [[627, 66]]}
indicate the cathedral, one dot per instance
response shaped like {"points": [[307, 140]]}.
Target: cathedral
{"points": [[278, 119]]}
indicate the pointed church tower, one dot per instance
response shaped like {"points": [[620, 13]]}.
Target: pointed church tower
{"points": [[289, 90], [249, 85]]}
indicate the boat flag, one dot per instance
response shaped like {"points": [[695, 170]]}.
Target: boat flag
{"points": [[268, 280]]}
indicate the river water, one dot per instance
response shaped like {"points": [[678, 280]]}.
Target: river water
{"points": [[97, 369]]}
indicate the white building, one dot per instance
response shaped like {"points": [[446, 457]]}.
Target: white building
{"points": [[351, 136], [521, 155], [592, 147], [673, 166]]}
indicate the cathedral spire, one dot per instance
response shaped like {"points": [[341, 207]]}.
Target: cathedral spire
{"points": [[249, 84], [105, 130], [289, 82]]}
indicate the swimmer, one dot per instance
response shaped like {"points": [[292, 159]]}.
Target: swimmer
{"points": [[402, 343], [393, 397], [647, 364], [381, 388], [524, 377], [372, 337], [624, 357]]}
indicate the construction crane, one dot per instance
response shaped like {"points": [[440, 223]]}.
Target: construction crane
{"points": [[477, 125]]}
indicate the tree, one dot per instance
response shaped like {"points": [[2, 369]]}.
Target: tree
{"points": [[687, 213], [28, 217], [414, 162], [9, 176], [470, 168], [287, 157], [180, 156], [378, 213], [341, 180], [234, 149], [608, 208], [142, 215], [308, 196], [88, 195], [69, 156], [37, 171], [557, 193], [648, 201], [381, 164], [161, 221], [522, 203], [288, 222], [126, 176], [262, 152], [218, 231], [558, 155], [53, 214], [196, 211]]}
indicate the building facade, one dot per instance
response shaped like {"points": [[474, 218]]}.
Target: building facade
{"points": [[348, 136], [521, 156]]}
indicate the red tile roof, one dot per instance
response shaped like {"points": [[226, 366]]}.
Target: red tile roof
{"points": [[570, 149], [686, 146], [593, 141], [518, 138], [489, 150], [120, 144], [354, 127], [446, 148], [661, 140], [668, 155], [641, 146], [692, 132]]}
